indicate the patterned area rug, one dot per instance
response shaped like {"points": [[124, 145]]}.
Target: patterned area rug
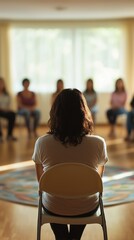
{"points": [[20, 186]]}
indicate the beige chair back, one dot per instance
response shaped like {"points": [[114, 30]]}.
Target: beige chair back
{"points": [[71, 180]]}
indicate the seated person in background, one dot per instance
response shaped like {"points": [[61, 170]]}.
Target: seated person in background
{"points": [[27, 104], [91, 98], [70, 139], [5, 111], [59, 88], [118, 100], [130, 122]]}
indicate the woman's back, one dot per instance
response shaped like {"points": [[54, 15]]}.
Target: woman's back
{"points": [[91, 151]]}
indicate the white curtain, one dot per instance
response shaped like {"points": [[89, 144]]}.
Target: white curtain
{"points": [[73, 54]]}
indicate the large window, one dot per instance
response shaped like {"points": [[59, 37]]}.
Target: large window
{"points": [[73, 54]]}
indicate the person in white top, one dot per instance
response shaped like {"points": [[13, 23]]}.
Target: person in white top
{"points": [[69, 139]]}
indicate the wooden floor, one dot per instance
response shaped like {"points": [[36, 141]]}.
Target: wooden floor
{"points": [[18, 222]]}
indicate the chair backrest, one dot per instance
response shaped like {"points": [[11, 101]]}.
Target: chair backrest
{"points": [[71, 180]]}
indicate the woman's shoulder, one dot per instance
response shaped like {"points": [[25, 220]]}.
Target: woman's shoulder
{"points": [[45, 138], [54, 94], [33, 93], [20, 93], [96, 138], [118, 94]]}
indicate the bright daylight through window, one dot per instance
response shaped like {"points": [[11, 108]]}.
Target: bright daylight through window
{"points": [[73, 54]]}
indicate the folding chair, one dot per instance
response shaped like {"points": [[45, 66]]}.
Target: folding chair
{"points": [[71, 180]]}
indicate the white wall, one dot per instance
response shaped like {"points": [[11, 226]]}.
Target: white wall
{"points": [[103, 105]]}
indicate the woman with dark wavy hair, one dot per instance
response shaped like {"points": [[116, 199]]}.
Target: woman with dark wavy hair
{"points": [[69, 139], [27, 108]]}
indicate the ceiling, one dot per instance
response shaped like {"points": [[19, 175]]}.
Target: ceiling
{"points": [[65, 9]]}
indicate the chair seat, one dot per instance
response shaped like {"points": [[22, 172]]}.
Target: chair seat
{"points": [[50, 218]]}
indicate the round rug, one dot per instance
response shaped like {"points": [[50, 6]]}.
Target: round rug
{"points": [[21, 186]]}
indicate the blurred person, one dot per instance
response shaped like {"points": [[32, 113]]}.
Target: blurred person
{"points": [[27, 107], [91, 98], [59, 88], [130, 122], [6, 112], [117, 102]]}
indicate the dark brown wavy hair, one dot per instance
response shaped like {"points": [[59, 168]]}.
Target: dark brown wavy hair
{"points": [[116, 85], [92, 90], [70, 118]]}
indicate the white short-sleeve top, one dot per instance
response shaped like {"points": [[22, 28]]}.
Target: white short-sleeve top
{"points": [[49, 151]]}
